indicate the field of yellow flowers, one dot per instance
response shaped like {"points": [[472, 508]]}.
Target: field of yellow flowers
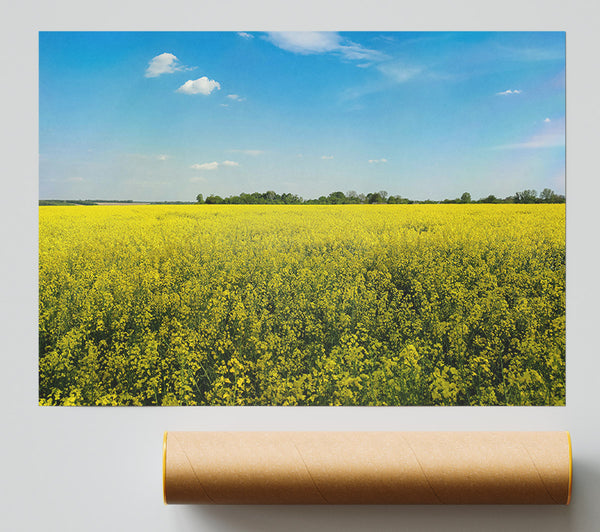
{"points": [[302, 305]]}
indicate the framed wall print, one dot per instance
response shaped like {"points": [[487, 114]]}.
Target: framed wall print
{"points": [[302, 218]]}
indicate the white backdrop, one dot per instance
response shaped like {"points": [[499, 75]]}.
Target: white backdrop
{"points": [[96, 469]]}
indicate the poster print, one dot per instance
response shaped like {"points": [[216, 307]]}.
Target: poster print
{"points": [[302, 218]]}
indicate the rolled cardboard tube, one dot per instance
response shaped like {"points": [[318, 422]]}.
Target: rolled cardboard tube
{"points": [[367, 467]]}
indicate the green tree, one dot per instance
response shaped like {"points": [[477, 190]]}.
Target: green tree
{"points": [[527, 196], [199, 198], [374, 197], [352, 196], [213, 200], [489, 199], [336, 198], [289, 198], [465, 198]]}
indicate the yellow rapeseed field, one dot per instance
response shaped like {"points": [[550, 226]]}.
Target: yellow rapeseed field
{"points": [[302, 305]]}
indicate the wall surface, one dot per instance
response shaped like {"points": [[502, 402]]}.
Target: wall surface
{"points": [[96, 469]]}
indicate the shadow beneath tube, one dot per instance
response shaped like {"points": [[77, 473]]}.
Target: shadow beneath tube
{"points": [[583, 514], [486, 518]]}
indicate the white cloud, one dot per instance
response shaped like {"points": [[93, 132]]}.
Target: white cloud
{"points": [[245, 35], [320, 42], [547, 120], [355, 51], [206, 166], [164, 64], [197, 179], [214, 165], [305, 42], [327, 157], [376, 161], [76, 179], [235, 97], [162, 157], [201, 85], [509, 91]]}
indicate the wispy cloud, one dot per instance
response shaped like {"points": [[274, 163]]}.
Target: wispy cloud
{"points": [[162, 157], [235, 97], [165, 63], [392, 70], [245, 35], [198, 179], [214, 165], [201, 85], [394, 73], [547, 120], [326, 157], [399, 72], [206, 166], [531, 53], [377, 161], [321, 42], [76, 179], [509, 91], [550, 135]]}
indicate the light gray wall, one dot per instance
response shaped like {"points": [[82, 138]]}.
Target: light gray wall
{"points": [[96, 469]]}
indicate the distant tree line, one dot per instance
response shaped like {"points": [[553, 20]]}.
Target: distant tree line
{"points": [[100, 202], [172, 202], [66, 202], [80, 202], [338, 198], [335, 198]]}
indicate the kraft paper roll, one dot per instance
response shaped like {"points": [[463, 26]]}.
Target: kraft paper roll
{"points": [[367, 467]]}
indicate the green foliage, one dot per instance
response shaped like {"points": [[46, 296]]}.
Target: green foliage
{"points": [[527, 196]]}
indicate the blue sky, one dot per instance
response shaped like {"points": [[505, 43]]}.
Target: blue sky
{"points": [[166, 116]]}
